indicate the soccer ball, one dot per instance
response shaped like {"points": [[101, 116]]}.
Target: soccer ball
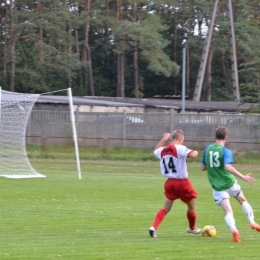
{"points": [[209, 231]]}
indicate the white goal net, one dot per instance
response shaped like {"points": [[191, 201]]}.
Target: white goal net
{"points": [[14, 115]]}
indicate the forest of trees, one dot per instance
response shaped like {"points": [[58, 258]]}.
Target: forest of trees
{"points": [[127, 48]]}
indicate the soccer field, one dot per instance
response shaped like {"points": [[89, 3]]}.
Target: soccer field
{"points": [[106, 215]]}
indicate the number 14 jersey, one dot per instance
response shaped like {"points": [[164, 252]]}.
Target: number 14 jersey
{"points": [[173, 161]]}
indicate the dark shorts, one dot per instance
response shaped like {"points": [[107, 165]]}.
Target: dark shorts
{"points": [[179, 189]]}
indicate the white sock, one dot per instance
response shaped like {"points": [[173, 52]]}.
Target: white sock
{"points": [[248, 211], [230, 221]]}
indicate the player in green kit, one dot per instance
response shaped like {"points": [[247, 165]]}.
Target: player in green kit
{"points": [[217, 160]]}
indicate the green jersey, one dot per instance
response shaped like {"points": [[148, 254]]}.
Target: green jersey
{"points": [[215, 156]]}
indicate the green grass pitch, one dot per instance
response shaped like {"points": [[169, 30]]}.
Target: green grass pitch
{"points": [[106, 215]]}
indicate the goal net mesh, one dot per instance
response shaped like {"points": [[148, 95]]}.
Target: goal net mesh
{"points": [[14, 115]]}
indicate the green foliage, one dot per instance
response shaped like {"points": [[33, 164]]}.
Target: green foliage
{"points": [[106, 215], [50, 36], [150, 42]]}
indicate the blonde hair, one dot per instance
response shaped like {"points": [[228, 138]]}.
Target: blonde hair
{"points": [[177, 134], [221, 133]]}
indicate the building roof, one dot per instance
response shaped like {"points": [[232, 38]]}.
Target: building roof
{"points": [[163, 103]]}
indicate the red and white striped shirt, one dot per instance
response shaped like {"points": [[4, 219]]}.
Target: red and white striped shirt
{"points": [[173, 161]]}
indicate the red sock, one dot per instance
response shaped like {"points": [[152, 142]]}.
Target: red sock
{"points": [[159, 218], [191, 216]]}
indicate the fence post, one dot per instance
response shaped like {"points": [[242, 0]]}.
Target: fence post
{"points": [[77, 119], [105, 146], [171, 121], [28, 130], [124, 129], [44, 145], [219, 117]]}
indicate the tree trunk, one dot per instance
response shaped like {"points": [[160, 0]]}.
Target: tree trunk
{"points": [[41, 43], [135, 66], [118, 94], [12, 63], [121, 75], [39, 7], [77, 41], [87, 51], [12, 50], [225, 73], [70, 53], [120, 59], [258, 84], [5, 43], [191, 29], [135, 57]]}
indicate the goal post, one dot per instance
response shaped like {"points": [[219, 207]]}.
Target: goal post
{"points": [[75, 138], [15, 111]]}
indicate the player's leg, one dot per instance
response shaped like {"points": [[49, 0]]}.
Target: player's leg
{"points": [[248, 211], [229, 219], [192, 216], [160, 216], [188, 195], [222, 199], [170, 196]]}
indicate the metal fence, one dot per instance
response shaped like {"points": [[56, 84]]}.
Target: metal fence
{"points": [[142, 130]]}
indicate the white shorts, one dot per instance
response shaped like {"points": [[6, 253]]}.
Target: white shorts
{"points": [[225, 194]]}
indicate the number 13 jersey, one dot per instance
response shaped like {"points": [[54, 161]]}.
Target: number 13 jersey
{"points": [[215, 156], [173, 161]]}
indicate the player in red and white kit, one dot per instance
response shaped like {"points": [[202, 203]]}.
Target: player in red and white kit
{"points": [[177, 186]]}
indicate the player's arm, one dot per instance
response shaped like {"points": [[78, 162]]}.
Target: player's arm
{"points": [[247, 178], [165, 137], [203, 167], [193, 154]]}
